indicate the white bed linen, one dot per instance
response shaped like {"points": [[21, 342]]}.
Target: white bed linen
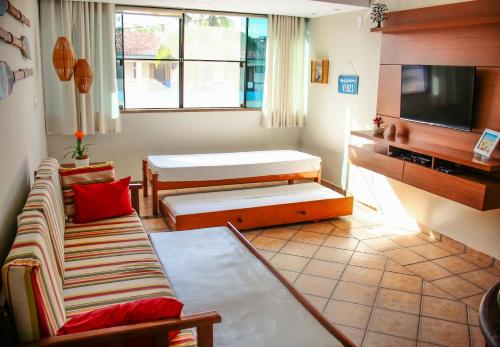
{"points": [[246, 198], [218, 166]]}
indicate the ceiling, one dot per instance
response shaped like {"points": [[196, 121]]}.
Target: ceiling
{"points": [[301, 8]]}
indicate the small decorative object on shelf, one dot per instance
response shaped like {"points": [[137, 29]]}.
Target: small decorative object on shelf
{"points": [[378, 14], [378, 121], [391, 131], [78, 152], [487, 143]]}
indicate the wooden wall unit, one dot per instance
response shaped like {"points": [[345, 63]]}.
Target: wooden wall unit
{"points": [[457, 34]]}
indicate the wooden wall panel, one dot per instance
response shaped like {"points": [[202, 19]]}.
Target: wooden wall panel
{"points": [[389, 91], [487, 99], [472, 46]]}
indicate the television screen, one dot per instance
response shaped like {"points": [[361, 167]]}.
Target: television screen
{"points": [[438, 95]]}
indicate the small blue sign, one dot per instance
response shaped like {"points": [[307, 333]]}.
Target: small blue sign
{"points": [[348, 84]]}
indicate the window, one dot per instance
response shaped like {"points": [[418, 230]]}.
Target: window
{"points": [[189, 60]]}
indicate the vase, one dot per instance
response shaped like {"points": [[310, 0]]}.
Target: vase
{"points": [[82, 161], [378, 131]]}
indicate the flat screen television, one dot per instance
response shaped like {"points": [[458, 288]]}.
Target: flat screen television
{"points": [[438, 95]]}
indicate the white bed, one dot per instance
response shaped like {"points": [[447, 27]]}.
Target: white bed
{"points": [[220, 166]]}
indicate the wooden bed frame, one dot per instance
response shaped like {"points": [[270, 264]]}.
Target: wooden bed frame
{"points": [[151, 176], [262, 216], [300, 298]]}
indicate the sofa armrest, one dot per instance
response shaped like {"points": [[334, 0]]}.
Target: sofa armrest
{"points": [[115, 336], [134, 196]]}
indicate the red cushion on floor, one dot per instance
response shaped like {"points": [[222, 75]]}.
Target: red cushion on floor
{"points": [[101, 200], [140, 311]]}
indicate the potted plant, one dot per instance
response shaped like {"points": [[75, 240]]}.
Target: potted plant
{"points": [[378, 121], [78, 152], [378, 14]]}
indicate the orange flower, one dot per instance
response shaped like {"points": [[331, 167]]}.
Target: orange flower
{"points": [[79, 135]]}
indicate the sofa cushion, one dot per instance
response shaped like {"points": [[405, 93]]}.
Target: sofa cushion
{"points": [[109, 262], [101, 200], [44, 198], [84, 175], [31, 280]]}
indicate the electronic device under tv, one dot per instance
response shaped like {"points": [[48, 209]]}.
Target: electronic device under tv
{"points": [[438, 95]]}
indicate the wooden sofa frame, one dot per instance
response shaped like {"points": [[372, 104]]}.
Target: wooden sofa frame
{"points": [[116, 336], [151, 176]]}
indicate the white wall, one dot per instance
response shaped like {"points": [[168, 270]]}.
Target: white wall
{"points": [[331, 116], [179, 132], [22, 130]]}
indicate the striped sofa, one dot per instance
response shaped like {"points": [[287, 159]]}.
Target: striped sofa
{"points": [[56, 270]]}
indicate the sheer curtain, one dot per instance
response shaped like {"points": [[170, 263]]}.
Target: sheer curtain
{"points": [[90, 27], [284, 87]]}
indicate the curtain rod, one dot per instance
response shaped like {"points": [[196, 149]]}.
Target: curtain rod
{"points": [[156, 8]]}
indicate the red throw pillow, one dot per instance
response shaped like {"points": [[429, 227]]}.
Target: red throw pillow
{"points": [[101, 200], [140, 311]]}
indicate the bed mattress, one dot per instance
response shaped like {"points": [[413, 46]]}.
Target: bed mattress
{"points": [[247, 198], [210, 269], [219, 166]]}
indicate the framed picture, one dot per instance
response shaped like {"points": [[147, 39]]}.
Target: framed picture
{"points": [[319, 71], [487, 143]]}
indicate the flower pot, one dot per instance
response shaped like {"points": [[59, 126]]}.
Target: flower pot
{"points": [[82, 161], [378, 131]]}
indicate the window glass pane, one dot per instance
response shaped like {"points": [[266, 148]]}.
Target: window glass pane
{"points": [[119, 83], [150, 37], [214, 37], [256, 60], [151, 84], [211, 84]]}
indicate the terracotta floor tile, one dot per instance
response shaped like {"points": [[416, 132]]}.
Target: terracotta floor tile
{"points": [[365, 233], [408, 240], [333, 254], [478, 262], [362, 247], [443, 332], [268, 243], [398, 301], [340, 232], [314, 285], [362, 275], [318, 302], [407, 283], [346, 223], [426, 344], [341, 242], [381, 340], [428, 270], [394, 323], [430, 251], [320, 228], [451, 310], [289, 262], [426, 237], [457, 287], [382, 244], [448, 247], [473, 301], [280, 233], [472, 316], [356, 293], [323, 268], [392, 266], [300, 249], [403, 256], [455, 264], [476, 338], [347, 313], [431, 290], [291, 276], [353, 334], [309, 237], [481, 278], [372, 261]]}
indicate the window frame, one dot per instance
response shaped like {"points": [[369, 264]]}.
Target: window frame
{"points": [[121, 10]]}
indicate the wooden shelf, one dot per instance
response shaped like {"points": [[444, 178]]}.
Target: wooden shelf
{"points": [[450, 154], [441, 24]]}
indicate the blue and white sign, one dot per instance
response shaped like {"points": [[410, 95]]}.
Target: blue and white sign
{"points": [[348, 84]]}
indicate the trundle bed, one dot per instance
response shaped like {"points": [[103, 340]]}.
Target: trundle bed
{"points": [[255, 207], [203, 170], [218, 269]]}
